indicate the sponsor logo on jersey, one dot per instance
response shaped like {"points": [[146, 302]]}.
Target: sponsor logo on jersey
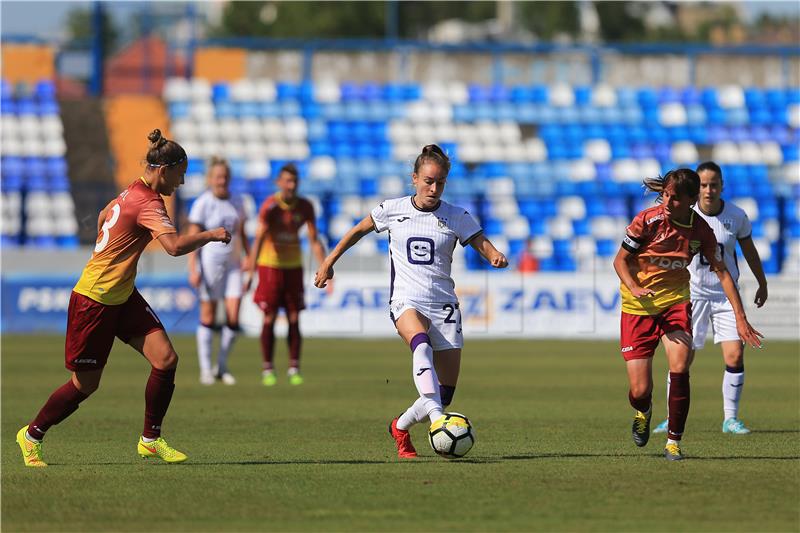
{"points": [[655, 218], [667, 263], [403, 219], [627, 349]]}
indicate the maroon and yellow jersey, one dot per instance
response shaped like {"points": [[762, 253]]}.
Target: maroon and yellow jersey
{"points": [[281, 247], [137, 216], [662, 250]]}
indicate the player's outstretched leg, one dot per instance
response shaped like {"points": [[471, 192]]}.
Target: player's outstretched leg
{"points": [[402, 439]]}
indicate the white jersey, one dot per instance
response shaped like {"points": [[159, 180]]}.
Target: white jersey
{"points": [[729, 225], [421, 245], [211, 212]]}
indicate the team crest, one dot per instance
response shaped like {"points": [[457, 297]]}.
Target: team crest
{"points": [[727, 224], [442, 222], [694, 246]]}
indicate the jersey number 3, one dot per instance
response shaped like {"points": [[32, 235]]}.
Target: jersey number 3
{"points": [[107, 225]]}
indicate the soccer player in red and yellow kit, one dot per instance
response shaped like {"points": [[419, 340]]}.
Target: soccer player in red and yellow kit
{"points": [[105, 304], [277, 253], [652, 266]]}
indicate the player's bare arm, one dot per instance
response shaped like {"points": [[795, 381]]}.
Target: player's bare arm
{"points": [[747, 333], [316, 245], [194, 272], [258, 242], [245, 247], [754, 262], [181, 245], [624, 273], [484, 246], [325, 271]]}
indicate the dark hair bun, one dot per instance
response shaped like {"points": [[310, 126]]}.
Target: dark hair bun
{"points": [[156, 140], [431, 149]]}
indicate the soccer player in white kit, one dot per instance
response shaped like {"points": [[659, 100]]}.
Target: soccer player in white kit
{"points": [[215, 271], [709, 304], [423, 232]]}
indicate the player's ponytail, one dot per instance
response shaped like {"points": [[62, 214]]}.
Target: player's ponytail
{"points": [[686, 182], [432, 153], [163, 152]]}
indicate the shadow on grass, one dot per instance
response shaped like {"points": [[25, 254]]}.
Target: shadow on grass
{"points": [[526, 457]]}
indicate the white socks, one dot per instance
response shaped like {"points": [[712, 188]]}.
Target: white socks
{"points": [[205, 337], [732, 385], [414, 414], [225, 344], [424, 375]]}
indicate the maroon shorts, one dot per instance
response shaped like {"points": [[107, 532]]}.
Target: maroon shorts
{"points": [[92, 326], [639, 334], [280, 287]]}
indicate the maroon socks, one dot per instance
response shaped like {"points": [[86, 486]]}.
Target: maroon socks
{"points": [[678, 403], [157, 396], [295, 340], [62, 403]]}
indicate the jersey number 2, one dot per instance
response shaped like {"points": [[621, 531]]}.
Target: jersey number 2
{"points": [[107, 225]]}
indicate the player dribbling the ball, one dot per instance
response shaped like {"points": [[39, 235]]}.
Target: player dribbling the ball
{"points": [[423, 231]]}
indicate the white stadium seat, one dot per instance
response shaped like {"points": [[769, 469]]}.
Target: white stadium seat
{"points": [[731, 97], [672, 114], [684, 152], [598, 150], [748, 205]]}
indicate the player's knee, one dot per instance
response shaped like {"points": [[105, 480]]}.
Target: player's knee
{"points": [[641, 391], [167, 361], [447, 392]]}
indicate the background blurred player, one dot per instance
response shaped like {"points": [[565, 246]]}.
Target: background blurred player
{"points": [[652, 266], [105, 304], [276, 251], [215, 269], [423, 232], [709, 305]]}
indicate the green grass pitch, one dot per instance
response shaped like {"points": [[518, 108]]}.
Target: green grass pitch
{"points": [[553, 448]]}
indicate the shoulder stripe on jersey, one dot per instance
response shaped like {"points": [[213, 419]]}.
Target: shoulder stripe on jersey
{"points": [[467, 241]]}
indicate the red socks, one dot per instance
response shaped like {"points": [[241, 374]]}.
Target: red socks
{"points": [[62, 403], [295, 340], [157, 396], [267, 345], [678, 403]]}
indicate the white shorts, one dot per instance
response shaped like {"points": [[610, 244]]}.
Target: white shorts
{"points": [[220, 281], [718, 313], [445, 322]]}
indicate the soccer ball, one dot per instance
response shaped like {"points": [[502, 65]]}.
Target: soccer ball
{"points": [[451, 435]]}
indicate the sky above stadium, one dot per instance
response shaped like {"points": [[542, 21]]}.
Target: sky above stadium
{"points": [[48, 19]]}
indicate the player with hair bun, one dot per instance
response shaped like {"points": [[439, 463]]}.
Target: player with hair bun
{"points": [[423, 232], [709, 305], [215, 270], [105, 304], [652, 264]]}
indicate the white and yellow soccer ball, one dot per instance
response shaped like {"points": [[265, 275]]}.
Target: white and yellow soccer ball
{"points": [[451, 435]]}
